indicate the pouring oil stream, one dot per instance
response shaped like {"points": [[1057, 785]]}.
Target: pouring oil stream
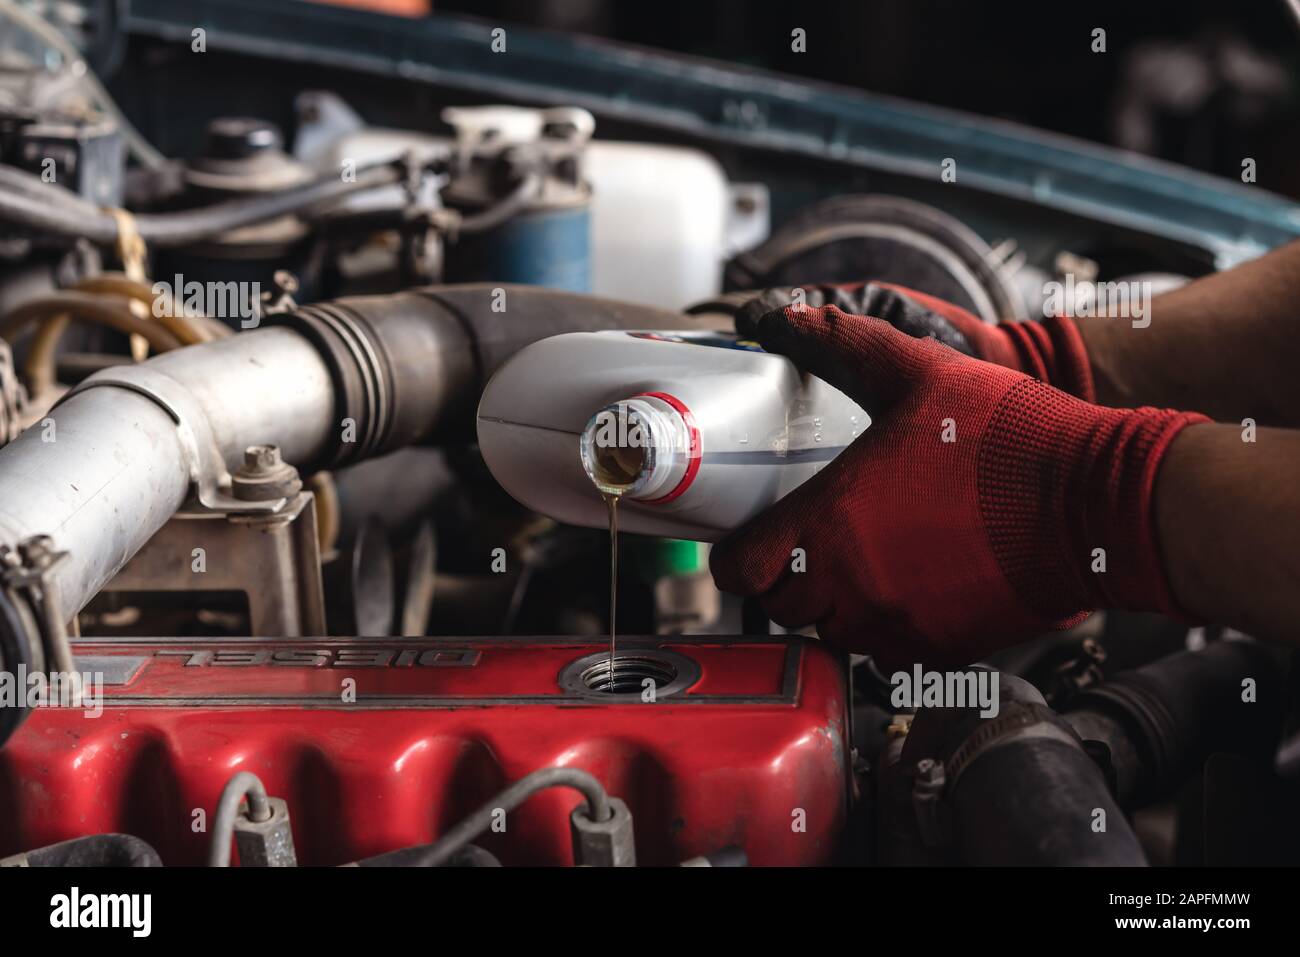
{"points": [[614, 454], [613, 467], [611, 502]]}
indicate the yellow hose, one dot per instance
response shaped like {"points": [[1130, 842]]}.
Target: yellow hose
{"points": [[327, 511], [39, 366], [88, 308], [190, 330], [86, 301]]}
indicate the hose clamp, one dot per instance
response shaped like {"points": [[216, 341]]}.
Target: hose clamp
{"points": [[35, 635], [359, 369], [1020, 719]]}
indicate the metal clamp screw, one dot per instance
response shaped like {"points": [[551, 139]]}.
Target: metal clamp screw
{"points": [[27, 574], [279, 299], [264, 476], [932, 815]]}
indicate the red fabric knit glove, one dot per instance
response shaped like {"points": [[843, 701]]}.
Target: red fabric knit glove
{"points": [[1051, 351], [966, 517]]}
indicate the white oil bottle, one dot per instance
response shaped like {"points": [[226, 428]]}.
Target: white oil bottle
{"points": [[694, 432]]}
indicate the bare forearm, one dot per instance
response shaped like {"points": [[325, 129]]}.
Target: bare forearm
{"points": [[1225, 345], [1228, 520]]}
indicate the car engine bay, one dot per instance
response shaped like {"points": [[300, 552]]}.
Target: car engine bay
{"points": [[250, 525]]}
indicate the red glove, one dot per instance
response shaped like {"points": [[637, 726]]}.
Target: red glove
{"points": [[966, 517], [1051, 351]]}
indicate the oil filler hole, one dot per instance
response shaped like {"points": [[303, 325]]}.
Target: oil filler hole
{"points": [[630, 673], [590, 676]]}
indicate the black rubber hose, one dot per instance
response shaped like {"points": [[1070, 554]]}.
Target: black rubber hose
{"points": [[57, 211], [97, 850], [1019, 786], [183, 228], [1041, 802], [20, 181], [1160, 721]]}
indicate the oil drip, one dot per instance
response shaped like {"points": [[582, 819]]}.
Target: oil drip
{"points": [[616, 459], [611, 502]]}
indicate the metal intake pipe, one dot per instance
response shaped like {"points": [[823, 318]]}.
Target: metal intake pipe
{"points": [[117, 457]]}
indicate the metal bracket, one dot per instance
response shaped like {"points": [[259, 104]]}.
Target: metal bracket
{"points": [[272, 559], [203, 459]]}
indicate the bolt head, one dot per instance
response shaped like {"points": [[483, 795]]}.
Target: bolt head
{"points": [[262, 457], [264, 476], [929, 772]]}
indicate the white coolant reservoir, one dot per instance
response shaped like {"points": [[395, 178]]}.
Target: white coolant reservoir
{"points": [[694, 432], [658, 223]]}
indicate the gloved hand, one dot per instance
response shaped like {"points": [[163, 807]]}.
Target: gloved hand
{"points": [[967, 517], [1051, 351]]}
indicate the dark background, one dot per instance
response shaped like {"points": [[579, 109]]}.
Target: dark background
{"points": [[1205, 83]]}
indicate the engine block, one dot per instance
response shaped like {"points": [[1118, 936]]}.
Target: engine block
{"points": [[379, 744]]}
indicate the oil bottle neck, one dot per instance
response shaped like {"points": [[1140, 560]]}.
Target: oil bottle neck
{"points": [[640, 448]]}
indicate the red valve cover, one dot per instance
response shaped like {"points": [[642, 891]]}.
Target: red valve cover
{"points": [[753, 754]]}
